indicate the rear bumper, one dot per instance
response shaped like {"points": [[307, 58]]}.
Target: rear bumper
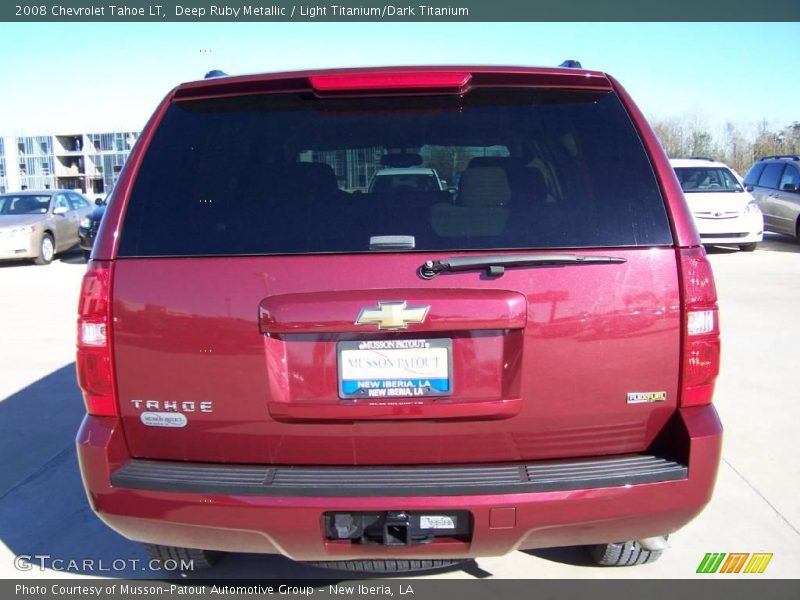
{"points": [[291, 523]]}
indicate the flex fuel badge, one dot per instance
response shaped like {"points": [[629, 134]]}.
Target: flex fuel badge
{"points": [[642, 397]]}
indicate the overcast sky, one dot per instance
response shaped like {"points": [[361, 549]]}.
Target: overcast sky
{"points": [[110, 76]]}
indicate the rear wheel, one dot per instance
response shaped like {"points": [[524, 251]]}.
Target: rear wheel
{"points": [[200, 559], [47, 250], [623, 554], [748, 247], [386, 566]]}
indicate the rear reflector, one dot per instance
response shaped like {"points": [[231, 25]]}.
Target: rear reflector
{"points": [[701, 343], [425, 80], [95, 371]]}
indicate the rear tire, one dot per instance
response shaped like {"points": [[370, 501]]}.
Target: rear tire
{"points": [[201, 559], [748, 247], [623, 554], [47, 250], [386, 565]]}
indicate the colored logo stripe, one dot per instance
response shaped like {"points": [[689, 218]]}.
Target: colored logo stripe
{"points": [[713, 562], [758, 563], [734, 562]]}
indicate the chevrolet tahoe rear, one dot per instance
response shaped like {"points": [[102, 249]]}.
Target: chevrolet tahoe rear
{"points": [[277, 358]]}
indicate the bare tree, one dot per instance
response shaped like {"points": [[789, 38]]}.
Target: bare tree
{"points": [[691, 136]]}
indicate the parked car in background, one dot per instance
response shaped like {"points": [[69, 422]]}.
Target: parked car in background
{"points": [[274, 361], [775, 183], [39, 224], [724, 212], [89, 226], [411, 179]]}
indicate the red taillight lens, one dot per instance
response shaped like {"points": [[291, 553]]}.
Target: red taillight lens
{"points": [[95, 372], [701, 345]]}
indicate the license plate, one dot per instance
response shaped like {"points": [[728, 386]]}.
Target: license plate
{"points": [[393, 369]]}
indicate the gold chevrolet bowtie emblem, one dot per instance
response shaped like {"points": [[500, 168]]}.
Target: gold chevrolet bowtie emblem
{"points": [[392, 315]]}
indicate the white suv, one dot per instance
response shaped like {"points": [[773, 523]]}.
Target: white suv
{"points": [[405, 179], [724, 212]]}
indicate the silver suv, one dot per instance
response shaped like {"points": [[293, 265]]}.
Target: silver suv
{"points": [[774, 181]]}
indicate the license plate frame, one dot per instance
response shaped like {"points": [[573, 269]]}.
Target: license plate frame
{"points": [[395, 389]]}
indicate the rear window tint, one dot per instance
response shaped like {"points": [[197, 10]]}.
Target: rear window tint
{"points": [[791, 177], [771, 175], [754, 173], [291, 173]]}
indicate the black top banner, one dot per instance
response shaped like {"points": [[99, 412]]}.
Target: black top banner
{"points": [[413, 11]]}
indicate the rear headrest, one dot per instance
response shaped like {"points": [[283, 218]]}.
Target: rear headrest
{"points": [[533, 185], [318, 176], [485, 187], [299, 179], [506, 162]]}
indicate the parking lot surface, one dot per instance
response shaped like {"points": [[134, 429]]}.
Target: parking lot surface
{"points": [[755, 508]]}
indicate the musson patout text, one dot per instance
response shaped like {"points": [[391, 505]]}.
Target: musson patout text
{"points": [[136, 589]]}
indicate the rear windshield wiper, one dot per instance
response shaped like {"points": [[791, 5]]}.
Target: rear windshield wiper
{"points": [[495, 264]]}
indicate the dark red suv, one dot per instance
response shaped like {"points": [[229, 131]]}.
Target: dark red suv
{"points": [[276, 359]]}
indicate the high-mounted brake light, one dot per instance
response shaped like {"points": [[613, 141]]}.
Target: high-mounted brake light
{"points": [[408, 80], [701, 343], [95, 372]]}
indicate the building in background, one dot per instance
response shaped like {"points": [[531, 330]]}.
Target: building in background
{"points": [[3, 184], [91, 162], [87, 162]]}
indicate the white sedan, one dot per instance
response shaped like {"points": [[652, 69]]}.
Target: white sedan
{"points": [[724, 212]]}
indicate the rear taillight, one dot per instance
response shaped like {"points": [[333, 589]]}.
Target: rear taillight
{"points": [[95, 372], [701, 345]]}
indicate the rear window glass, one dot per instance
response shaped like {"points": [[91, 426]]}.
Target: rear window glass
{"points": [[394, 182], [771, 175], [791, 177], [754, 173], [292, 173]]}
